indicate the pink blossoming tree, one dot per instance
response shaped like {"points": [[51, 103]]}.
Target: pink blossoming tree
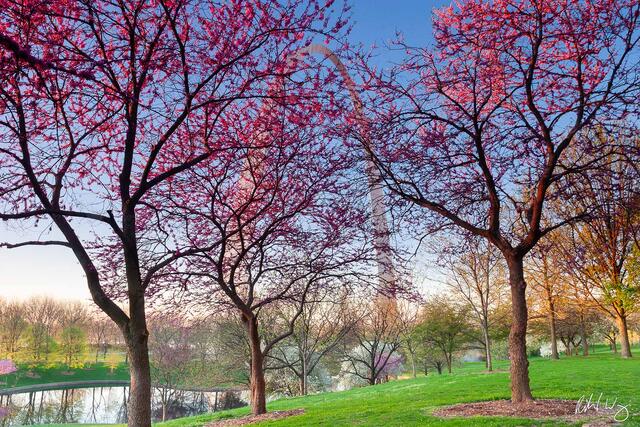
{"points": [[103, 104], [474, 131], [273, 224]]}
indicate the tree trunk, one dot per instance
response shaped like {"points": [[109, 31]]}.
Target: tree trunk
{"points": [[487, 346], [621, 322], [567, 348], [139, 412], [301, 389], [373, 375], [449, 361], [585, 343], [413, 364], [520, 390], [372, 380], [552, 329], [258, 398], [303, 380], [136, 336]]}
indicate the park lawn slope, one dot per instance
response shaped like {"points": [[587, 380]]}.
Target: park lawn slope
{"points": [[410, 402]]}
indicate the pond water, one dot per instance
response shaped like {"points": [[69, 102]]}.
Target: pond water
{"points": [[108, 405]]}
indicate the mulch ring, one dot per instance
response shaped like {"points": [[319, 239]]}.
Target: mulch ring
{"points": [[538, 409], [250, 419]]}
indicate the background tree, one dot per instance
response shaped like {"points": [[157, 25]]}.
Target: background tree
{"points": [[12, 327], [101, 334], [544, 272], [602, 251], [606, 328], [37, 341], [574, 327], [43, 315], [444, 326], [73, 345], [318, 331], [371, 347], [172, 356], [230, 345], [408, 317], [475, 129], [587, 313], [73, 323], [430, 357], [477, 277]]}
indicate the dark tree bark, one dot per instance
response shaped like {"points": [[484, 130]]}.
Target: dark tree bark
{"points": [[303, 389], [614, 343], [139, 413], [623, 331], [487, 346], [135, 331], [584, 335], [520, 389], [258, 396], [303, 376], [552, 325]]}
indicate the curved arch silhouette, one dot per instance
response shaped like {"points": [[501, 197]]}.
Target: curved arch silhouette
{"points": [[382, 235]]}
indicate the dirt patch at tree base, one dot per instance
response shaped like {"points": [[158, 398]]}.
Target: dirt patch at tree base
{"points": [[251, 419], [538, 409]]}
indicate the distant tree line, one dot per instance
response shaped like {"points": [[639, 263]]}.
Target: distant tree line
{"points": [[41, 330]]}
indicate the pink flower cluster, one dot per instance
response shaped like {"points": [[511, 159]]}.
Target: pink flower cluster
{"points": [[7, 367]]}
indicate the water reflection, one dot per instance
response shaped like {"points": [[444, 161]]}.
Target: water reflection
{"points": [[106, 405]]}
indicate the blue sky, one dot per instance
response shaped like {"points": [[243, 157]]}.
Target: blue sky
{"points": [[54, 271], [376, 21]]}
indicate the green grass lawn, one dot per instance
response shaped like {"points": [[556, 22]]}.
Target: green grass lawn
{"points": [[55, 373], [410, 402]]}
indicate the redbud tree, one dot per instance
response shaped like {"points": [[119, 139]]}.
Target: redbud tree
{"points": [[474, 131], [274, 224], [103, 104]]}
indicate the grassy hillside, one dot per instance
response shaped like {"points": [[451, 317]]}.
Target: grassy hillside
{"points": [[410, 402]]}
